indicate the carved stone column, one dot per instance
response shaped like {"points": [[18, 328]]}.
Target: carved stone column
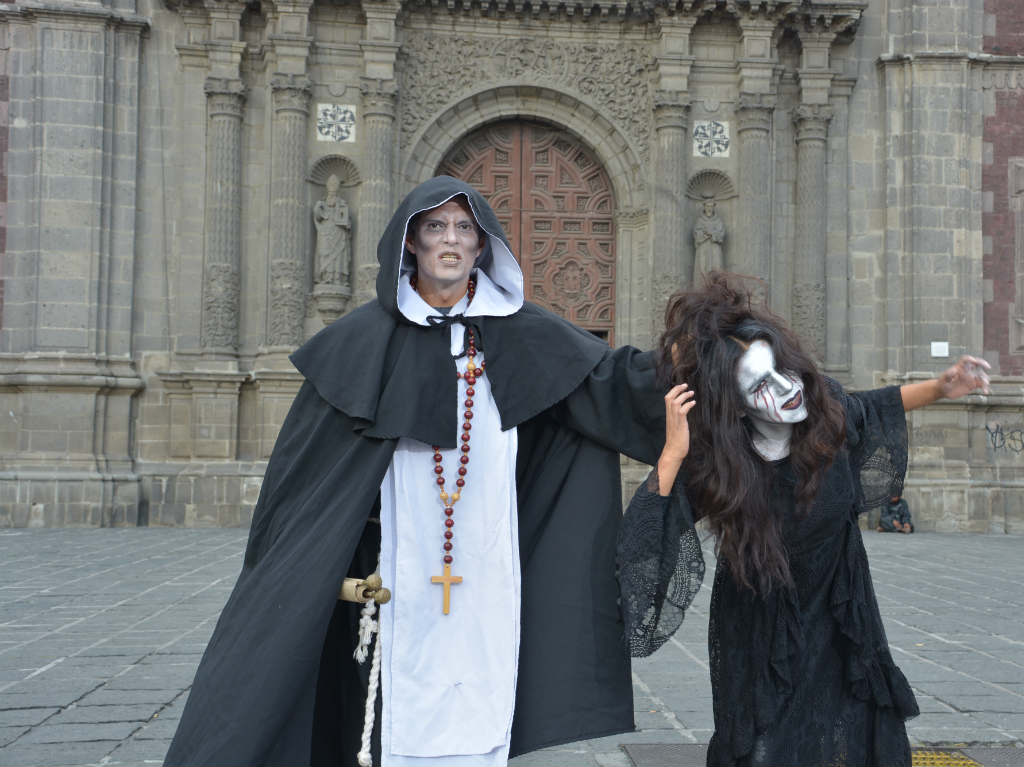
{"points": [[754, 125], [671, 267], [225, 101], [377, 194], [811, 225], [288, 214]]}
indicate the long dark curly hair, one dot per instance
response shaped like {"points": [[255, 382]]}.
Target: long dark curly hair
{"points": [[726, 480]]}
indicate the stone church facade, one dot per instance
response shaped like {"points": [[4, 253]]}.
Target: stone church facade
{"points": [[191, 188]]}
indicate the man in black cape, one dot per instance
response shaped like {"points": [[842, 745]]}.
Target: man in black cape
{"points": [[278, 684]]}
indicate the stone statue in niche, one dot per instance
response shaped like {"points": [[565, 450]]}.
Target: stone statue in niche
{"points": [[708, 236], [333, 237]]}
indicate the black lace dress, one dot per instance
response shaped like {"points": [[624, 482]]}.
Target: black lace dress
{"points": [[802, 676]]}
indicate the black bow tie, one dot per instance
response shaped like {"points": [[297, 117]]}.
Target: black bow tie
{"points": [[447, 320]]}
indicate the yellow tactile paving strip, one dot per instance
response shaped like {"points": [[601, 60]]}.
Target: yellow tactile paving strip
{"points": [[930, 758]]}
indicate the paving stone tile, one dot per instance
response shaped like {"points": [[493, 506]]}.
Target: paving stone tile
{"points": [[69, 733], [100, 714], [138, 752]]}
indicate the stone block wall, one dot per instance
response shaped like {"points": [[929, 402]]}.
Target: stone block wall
{"points": [[162, 162]]}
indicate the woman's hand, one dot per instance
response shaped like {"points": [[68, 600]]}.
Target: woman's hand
{"points": [[678, 403], [968, 374]]}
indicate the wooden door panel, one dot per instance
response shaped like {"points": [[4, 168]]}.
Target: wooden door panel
{"points": [[556, 204]]}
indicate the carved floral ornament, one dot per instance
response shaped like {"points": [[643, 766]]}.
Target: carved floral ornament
{"points": [[1003, 76], [836, 15], [440, 69]]}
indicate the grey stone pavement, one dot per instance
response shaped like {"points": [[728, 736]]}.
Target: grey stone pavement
{"points": [[101, 631]]}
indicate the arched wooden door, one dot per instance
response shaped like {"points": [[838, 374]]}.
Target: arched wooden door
{"points": [[555, 201]]}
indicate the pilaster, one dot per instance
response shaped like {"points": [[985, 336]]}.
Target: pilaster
{"points": [[289, 254], [379, 89], [809, 264], [377, 193], [225, 102], [754, 128], [757, 62], [837, 260], [671, 268]]}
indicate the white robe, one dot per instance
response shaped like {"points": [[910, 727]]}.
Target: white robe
{"points": [[448, 682]]}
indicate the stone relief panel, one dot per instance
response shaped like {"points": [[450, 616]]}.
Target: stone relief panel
{"points": [[614, 77], [220, 306]]}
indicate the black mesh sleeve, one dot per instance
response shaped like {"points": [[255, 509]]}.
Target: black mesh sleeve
{"points": [[876, 437], [660, 563]]}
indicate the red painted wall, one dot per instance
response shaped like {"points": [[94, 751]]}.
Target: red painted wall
{"points": [[1005, 132], [1008, 39]]}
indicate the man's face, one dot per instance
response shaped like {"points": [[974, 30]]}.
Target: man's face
{"points": [[446, 244], [769, 395]]}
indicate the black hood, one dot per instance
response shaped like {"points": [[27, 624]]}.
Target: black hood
{"points": [[428, 195], [396, 378]]}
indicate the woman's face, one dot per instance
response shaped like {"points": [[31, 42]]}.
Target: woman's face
{"points": [[769, 395]]}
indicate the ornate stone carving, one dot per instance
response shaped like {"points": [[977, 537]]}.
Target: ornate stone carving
{"points": [[333, 237], [224, 97], [612, 76], [754, 112], [812, 121], [809, 313], [290, 93], [671, 109], [708, 236], [379, 97], [220, 306], [710, 184], [632, 218], [1004, 76], [287, 302]]}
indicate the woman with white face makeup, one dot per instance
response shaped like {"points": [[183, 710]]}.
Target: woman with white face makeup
{"points": [[779, 461]]}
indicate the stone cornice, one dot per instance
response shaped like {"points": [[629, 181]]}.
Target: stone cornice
{"points": [[31, 9]]}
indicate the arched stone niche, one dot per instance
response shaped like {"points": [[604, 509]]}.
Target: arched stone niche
{"points": [[611, 147], [715, 187], [331, 300]]}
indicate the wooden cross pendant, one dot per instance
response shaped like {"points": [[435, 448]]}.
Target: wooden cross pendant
{"points": [[447, 580]]}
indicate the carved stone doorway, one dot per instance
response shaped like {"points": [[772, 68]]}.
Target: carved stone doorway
{"points": [[556, 203]]}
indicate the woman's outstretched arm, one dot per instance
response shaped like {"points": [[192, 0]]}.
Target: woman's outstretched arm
{"points": [[967, 375]]}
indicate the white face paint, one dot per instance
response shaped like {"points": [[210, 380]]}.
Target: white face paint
{"points": [[767, 394]]}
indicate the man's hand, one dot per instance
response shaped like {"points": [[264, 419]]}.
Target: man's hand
{"points": [[678, 403], [968, 374]]}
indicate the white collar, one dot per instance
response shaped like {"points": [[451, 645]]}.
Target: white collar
{"points": [[488, 301]]}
